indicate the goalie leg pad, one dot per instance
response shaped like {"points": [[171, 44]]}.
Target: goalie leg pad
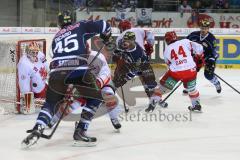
{"points": [[28, 106]]}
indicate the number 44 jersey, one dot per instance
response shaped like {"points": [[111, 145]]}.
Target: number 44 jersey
{"points": [[179, 55]]}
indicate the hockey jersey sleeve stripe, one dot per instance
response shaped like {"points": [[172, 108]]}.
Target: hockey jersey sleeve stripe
{"points": [[104, 26]]}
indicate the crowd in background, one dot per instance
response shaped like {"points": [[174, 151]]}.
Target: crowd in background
{"points": [[160, 5]]}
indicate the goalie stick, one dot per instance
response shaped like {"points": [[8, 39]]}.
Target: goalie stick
{"points": [[38, 102]]}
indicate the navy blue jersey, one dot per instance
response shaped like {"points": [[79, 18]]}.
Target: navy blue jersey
{"points": [[208, 43], [137, 54], [71, 41]]}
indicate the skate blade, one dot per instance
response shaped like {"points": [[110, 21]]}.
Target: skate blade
{"points": [[27, 143], [196, 111], [84, 144]]}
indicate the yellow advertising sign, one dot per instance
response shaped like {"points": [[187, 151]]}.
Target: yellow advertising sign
{"points": [[228, 48]]}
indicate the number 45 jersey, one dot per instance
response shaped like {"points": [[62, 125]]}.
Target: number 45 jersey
{"points": [[70, 41], [178, 55]]}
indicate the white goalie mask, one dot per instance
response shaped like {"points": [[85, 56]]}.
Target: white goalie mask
{"points": [[32, 51]]}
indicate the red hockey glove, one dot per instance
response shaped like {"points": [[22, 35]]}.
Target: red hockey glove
{"points": [[199, 60], [148, 48]]}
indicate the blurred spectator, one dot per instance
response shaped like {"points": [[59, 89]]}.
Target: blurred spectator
{"points": [[226, 7], [235, 3], [219, 4], [107, 5], [133, 4], [184, 7], [80, 4], [145, 4], [198, 7]]}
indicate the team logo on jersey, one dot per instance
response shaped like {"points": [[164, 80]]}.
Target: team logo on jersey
{"points": [[43, 73], [205, 44]]}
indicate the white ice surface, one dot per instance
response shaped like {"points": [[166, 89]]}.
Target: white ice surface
{"points": [[211, 135]]}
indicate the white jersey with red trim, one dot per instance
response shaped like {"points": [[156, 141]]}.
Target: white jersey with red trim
{"points": [[32, 76], [141, 36], [100, 68], [178, 55]]}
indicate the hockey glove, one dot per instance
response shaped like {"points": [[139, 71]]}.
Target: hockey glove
{"points": [[130, 76], [148, 49], [210, 62], [106, 38], [199, 60]]}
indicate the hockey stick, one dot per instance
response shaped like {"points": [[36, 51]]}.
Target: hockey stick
{"points": [[67, 102], [227, 83], [151, 108], [56, 126], [179, 84], [124, 103], [99, 51], [9, 101], [38, 103]]}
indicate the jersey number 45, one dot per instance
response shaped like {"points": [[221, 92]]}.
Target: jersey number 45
{"points": [[68, 44]]}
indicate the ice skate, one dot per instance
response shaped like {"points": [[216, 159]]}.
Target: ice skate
{"points": [[82, 140], [33, 137], [218, 87], [151, 106], [163, 104], [196, 108], [116, 124]]}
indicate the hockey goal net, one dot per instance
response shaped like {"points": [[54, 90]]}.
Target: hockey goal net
{"points": [[11, 51]]}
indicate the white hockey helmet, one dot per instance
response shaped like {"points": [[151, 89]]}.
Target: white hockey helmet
{"points": [[32, 50]]}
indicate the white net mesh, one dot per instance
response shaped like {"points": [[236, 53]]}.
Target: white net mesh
{"points": [[7, 75]]}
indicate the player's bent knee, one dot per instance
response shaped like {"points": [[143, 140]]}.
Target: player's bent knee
{"points": [[208, 75]]}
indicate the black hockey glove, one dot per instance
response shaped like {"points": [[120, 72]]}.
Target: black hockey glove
{"points": [[106, 38], [210, 62]]}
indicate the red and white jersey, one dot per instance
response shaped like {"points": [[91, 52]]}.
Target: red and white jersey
{"points": [[32, 76], [141, 36], [178, 55], [100, 68]]}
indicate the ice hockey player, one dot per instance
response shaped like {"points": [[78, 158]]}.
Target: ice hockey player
{"points": [[101, 70], [178, 55], [132, 61], [208, 41], [145, 40], [32, 75], [69, 66]]}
